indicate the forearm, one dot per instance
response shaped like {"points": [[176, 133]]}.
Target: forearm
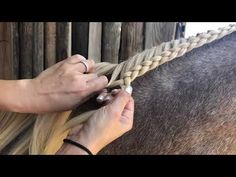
{"points": [[14, 95]]}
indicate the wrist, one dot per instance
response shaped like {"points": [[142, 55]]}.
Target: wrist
{"points": [[83, 140], [68, 149], [15, 94], [26, 96], [89, 144]]}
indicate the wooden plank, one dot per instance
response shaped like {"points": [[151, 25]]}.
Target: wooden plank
{"points": [[2, 50], [111, 32], [38, 48], [6, 62], [26, 49], [50, 44], [15, 49], [95, 40], [63, 40], [132, 40], [180, 30], [9, 50], [158, 32], [80, 32]]}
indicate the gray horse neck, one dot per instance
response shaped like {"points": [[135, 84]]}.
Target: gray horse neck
{"points": [[186, 106]]}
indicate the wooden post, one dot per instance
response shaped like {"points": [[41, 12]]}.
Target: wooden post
{"points": [[95, 40], [38, 48], [158, 32], [63, 40], [26, 49], [180, 30], [80, 32], [15, 47], [50, 44], [111, 33], [9, 43], [131, 39]]}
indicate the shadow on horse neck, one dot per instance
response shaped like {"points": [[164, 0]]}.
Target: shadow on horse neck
{"points": [[185, 106]]}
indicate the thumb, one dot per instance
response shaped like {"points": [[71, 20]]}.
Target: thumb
{"points": [[120, 101]]}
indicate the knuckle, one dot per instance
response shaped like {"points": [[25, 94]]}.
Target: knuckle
{"points": [[92, 64], [65, 67], [77, 56], [104, 79]]}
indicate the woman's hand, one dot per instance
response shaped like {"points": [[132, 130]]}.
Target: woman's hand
{"points": [[60, 87], [107, 124]]}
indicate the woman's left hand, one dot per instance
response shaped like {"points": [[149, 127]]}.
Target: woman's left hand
{"points": [[61, 87]]}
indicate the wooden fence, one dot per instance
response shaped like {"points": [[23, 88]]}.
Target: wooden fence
{"points": [[27, 48]]}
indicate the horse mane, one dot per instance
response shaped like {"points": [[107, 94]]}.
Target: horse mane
{"points": [[44, 133]]}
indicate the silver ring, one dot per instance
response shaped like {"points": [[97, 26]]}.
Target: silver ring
{"points": [[84, 62]]}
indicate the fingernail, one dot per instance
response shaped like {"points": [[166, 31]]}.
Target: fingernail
{"points": [[129, 89], [100, 98], [104, 90], [115, 91], [107, 98]]}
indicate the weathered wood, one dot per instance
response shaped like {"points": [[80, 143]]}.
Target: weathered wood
{"points": [[111, 32], [5, 61], [38, 48], [80, 32], [63, 40], [131, 39], [50, 44], [180, 30], [15, 49], [95, 40], [158, 32], [26, 49]]}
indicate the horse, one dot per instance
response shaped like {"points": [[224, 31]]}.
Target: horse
{"points": [[185, 106]]}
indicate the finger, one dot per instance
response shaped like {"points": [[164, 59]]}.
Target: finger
{"points": [[92, 67], [87, 67], [96, 84], [127, 115], [115, 92], [88, 77], [108, 98], [74, 59], [129, 108], [75, 62], [120, 101], [104, 91], [101, 96]]}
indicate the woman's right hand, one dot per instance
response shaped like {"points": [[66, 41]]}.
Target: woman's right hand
{"points": [[107, 124]]}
